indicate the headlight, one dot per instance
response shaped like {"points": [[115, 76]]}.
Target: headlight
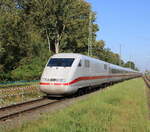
{"points": [[53, 79], [60, 80]]}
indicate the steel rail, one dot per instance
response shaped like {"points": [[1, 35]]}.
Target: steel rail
{"points": [[20, 104], [17, 85], [148, 78], [16, 109], [15, 114], [18, 88], [147, 81]]}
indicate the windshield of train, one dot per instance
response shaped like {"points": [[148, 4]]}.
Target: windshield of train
{"points": [[60, 62]]}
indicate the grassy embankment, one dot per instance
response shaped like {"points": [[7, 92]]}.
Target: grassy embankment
{"points": [[120, 108]]}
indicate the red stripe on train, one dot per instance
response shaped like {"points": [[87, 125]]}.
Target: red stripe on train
{"points": [[83, 78]]}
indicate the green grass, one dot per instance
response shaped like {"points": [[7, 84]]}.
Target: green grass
{"points": [[120, 108]]}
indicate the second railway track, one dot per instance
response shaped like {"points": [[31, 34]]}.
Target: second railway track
{"points": [[17, 109], [147, 80]]}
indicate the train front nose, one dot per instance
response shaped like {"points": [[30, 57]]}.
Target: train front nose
{"points": [[54, 88], [56, 75], [53, 81]]}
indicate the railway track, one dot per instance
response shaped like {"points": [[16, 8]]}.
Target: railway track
{"points": [[21, 108], [147, 80], [12, 111]]}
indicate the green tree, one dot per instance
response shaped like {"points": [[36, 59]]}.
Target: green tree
{"points": [[99, 50], [28, 27], [106, 54], [130, 64], [64, 23], [13, 38]]}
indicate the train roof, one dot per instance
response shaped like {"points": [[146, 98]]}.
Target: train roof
{"points": [[77, 55], [67, 55]]}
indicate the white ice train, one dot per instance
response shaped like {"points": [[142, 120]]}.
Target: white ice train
{"points": [[66, 73]]}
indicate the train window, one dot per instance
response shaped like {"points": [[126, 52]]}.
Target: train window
{"points": [[60, 62], [87, 63], [80, 64], [110, 70], [115, 71], [105, 66]]}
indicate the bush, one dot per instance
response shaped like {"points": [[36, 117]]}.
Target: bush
{"points": [[5, 76], [30, 69]]}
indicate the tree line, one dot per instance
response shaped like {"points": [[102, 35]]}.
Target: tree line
{"points": [[33, 30]]}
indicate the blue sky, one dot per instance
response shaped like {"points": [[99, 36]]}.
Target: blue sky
{"points": [[125, 23]]}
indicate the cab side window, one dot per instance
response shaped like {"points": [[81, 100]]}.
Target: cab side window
{"points": [[80, 64], [105, 66]]}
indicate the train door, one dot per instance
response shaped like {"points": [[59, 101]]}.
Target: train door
{"points": [[109, 73], [82, 73], [106, 72], [87, 72]]}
